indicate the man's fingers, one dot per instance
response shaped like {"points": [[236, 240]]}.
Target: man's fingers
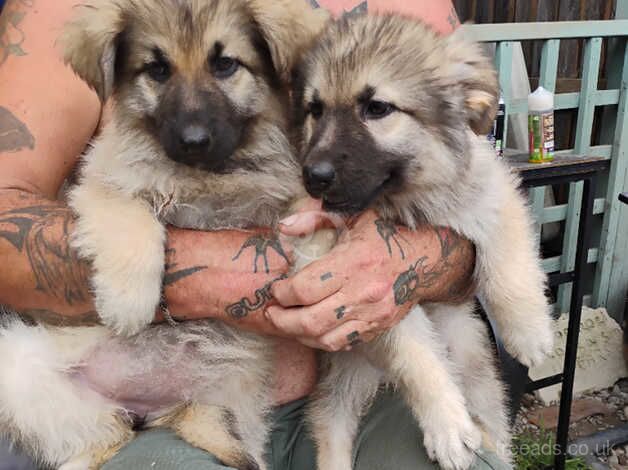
{"points": [[311, 285], [313, 320], [304, 223], [346, 336]]}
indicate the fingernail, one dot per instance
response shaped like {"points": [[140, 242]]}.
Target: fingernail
{"points": [[288, 221], [374, 324], [267, 315]]}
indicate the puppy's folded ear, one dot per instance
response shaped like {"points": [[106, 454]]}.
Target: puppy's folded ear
{"points": [[473, 70], [90, 43], [288, 27]]}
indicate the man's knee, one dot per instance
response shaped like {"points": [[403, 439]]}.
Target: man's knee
{"points": [[160, 449]]}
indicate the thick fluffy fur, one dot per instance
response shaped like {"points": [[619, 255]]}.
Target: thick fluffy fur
{"points": [[388, 111], [197, 139]]}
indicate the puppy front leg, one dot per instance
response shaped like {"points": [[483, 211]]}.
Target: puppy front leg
{"points": [[125, 242], [339, 401], [512, 284], [413, 355]]}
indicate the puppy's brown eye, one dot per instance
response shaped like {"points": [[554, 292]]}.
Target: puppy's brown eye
{"points": [[158, 71], [224, 67], [377, 109], [315, 108]]}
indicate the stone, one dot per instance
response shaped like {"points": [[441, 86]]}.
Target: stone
{"points": [[600, 362], [626, 412], [547, 418]]}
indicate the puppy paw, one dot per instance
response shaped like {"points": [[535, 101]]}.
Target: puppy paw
{"points": [[531, 346], [452, 442], [127, 307]]}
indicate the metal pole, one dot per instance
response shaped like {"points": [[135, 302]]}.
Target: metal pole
{"points": [[575, 311]]}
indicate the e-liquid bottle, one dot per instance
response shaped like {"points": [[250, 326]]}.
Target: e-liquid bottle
{"points": [[541, 125]]}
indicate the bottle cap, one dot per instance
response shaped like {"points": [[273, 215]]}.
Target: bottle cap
{"points": [[540, 100]]}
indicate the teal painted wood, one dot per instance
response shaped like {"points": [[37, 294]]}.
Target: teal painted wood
{"points": [[547, 79], [547, 30], [584, 128], [611, 261], [558, 213], [503, 63], [570, 100], [551, 265]]}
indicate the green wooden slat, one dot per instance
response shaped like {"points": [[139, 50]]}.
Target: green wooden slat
{"points": [[536, 198], [503, 63], [616, 183], [546, 30], [559, 213], [549, 64], [570, 101], [595, 150], [584, 128], [553, 264]]}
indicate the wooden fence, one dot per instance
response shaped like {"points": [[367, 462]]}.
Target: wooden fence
{"points": [[608, 258]]}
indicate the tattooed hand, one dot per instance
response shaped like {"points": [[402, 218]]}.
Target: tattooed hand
{"points": [[369, 281]]}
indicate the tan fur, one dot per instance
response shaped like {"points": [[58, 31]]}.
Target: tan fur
{"points": [[215, 379], [441, 90]]}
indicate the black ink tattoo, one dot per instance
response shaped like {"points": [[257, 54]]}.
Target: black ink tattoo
{"points": [[11, 34], [14, 135], [326, 276], [244, 306], [388, 231], [340, 312], [353, 338], [43, 233], [406, 283], [170, 276], [262, 243], [420, 275], [452, 18], [35, 316]]}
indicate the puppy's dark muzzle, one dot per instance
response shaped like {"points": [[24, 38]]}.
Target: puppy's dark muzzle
{"points": [[318, 178]]}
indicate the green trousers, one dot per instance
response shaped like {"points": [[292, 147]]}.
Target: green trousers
{"points": [[389, 439]]}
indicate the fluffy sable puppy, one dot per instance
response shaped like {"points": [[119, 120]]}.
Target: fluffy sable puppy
{"points": [[388, 113], [198, 138]]}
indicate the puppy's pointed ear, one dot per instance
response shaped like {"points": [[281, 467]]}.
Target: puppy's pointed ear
{"points": [[288, 27], [90, 43], [473, 70]]}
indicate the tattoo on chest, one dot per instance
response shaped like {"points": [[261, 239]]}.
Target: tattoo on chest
{"points": [[244, 306], [43, 232], [11, 33], [390, 234], [172, 274], [261, 244], [14, 135]]}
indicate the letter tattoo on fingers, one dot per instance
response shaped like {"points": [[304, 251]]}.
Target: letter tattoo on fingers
{"points": [[354, 338], [340, 312], [326, 277]]}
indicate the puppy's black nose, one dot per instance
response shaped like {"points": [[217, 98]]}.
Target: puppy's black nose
{"points": [[319, 176], [195, 138]]}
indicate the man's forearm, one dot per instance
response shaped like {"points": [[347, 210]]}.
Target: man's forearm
{"points": [[441, 272], [41, 277]]}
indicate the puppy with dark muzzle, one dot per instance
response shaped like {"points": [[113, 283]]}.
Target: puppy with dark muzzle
{"points": [[198, 138], [388, 113]]}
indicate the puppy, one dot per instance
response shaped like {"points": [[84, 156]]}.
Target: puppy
{"points": [[388, 113], [198, 139]]}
